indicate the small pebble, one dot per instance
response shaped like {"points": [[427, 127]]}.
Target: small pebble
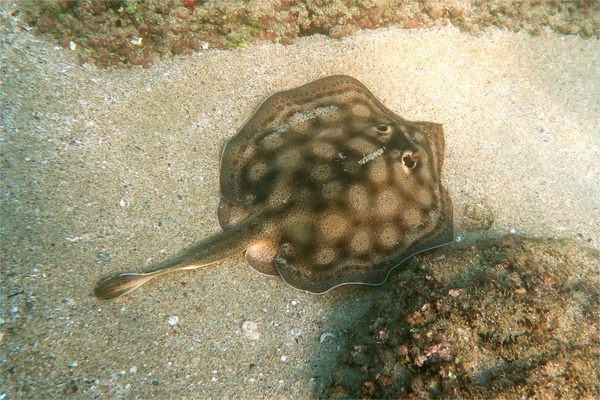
{"points": [[133, 370], [327, 336], [174, 320], [250, 329], [69, 302], [296, 332]]}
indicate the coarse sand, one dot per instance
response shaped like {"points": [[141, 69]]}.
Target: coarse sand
{"points": [[113, 170]]}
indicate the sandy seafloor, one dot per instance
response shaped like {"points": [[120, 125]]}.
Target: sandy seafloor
{"points": [[113, 170]]}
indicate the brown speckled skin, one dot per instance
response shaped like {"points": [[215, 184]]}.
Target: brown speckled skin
{"points": [[332, 214], [323, 186]]}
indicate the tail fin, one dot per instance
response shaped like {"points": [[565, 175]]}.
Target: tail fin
{"points": [[211, 250], [120, 285]]}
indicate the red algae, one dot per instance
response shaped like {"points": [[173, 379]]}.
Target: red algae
{"points": [[155, 29], [515, 317]]}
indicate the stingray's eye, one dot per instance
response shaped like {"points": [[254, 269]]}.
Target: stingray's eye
{"points": [[384, 128], [410, 159]]}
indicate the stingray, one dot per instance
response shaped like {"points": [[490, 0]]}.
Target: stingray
{"points": [[323, 186]]}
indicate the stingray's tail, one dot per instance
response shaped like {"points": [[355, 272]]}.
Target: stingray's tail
{"points": [[216, 248], [120, 285]]}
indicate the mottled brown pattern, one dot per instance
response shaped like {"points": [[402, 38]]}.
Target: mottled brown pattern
{"points": [[323, 186]]}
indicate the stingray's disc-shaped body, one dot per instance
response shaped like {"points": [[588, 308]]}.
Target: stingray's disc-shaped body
{"points": [[346, 189], [323, 186]]}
